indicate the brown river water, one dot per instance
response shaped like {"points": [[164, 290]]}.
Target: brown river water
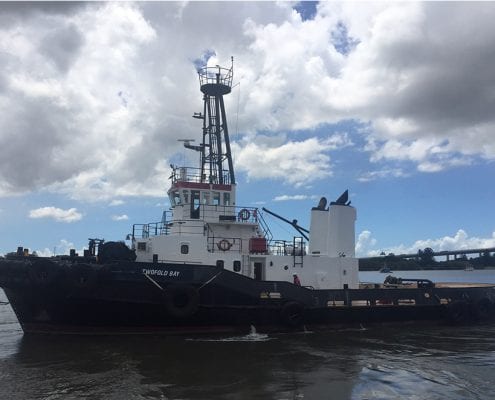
{"points": [[392, 362]]}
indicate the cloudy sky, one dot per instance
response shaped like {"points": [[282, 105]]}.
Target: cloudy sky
{"points": [[393, 101]]}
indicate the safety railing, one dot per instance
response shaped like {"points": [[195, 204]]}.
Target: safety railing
{"points": [[209, 214], [287, 248], [185, 227], [192, 174], [229, 213], [215, 75], [144, 231]]}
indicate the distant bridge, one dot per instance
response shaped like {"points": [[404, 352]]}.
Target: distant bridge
{"points": [[445, 253]]}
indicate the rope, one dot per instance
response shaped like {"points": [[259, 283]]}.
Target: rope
{"points": [[153, 281], [209, 281]]}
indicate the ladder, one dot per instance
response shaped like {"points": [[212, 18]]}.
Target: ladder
{"points": [[298, 251]]}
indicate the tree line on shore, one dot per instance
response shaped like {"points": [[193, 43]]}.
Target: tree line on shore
{"points": [[425, 260]]}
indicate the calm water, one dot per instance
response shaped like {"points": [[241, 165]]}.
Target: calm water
{"points": [[404, 362]]}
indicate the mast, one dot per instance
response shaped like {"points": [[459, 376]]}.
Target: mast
{"points": [[215, 82]]}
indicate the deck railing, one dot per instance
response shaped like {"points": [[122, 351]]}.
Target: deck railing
{"points": [[193, 174], [215, 75]]}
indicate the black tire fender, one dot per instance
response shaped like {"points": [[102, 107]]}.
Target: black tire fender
{"points": [[43, 272], [458, 312], [83, 276], [483, 309], [181, 301], [292, 314]]}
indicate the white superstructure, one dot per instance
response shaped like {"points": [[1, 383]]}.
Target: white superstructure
{"points": [[206, 227]]}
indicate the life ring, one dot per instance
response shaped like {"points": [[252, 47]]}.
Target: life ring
{"points": [[224, 245], [181, 301], [458, 312], [244, 214], [292, 314], [43, 272], [483, 309]]}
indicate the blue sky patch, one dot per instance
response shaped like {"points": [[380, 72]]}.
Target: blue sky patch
{"points": [[307, 9], [341, 40]]}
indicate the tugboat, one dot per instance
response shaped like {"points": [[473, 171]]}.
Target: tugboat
{"points": [[210, 265]]}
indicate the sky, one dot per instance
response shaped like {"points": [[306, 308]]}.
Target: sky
{"points": [[393, 101]]}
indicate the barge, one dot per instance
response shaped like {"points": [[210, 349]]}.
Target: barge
{"points": [[210, 265]]}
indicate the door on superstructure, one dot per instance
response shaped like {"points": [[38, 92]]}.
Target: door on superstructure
{"points": [[258, 270], [195, 204]]}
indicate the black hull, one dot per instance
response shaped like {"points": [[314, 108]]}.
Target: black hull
{"points": [[129, 298]]}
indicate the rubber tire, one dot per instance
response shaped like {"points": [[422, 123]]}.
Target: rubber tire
{"points": [[458, 312], [292, 314], [181, 301], [83, 276], [483, 309], [43, 273]]}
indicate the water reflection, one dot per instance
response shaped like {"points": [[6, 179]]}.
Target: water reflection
{"points": [[400, 362]]}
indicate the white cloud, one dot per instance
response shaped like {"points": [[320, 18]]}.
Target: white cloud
{"points": [[116, 202], [62, 248], [459, 241], [53, 111], [295, 162], [122, 217], [112, 85], [381, 174], [297, 197], [58, 214], [426, 87], [366, 244]]}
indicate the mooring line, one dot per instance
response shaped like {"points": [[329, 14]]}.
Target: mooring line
{"points": [[208, 281], [154, 282]]}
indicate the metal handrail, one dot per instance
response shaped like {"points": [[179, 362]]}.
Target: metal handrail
{"points": [[193, 174], [214, 75]]}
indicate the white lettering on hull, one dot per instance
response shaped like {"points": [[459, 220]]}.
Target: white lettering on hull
{"points": [[161, 272]]}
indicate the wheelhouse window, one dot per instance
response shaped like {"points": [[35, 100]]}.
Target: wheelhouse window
{"points": [[141, 246], [175, 198], [216, 198], [226, 199], [185, 195]]}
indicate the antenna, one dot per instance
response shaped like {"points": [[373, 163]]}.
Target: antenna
{"points": [[215, 82]]}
